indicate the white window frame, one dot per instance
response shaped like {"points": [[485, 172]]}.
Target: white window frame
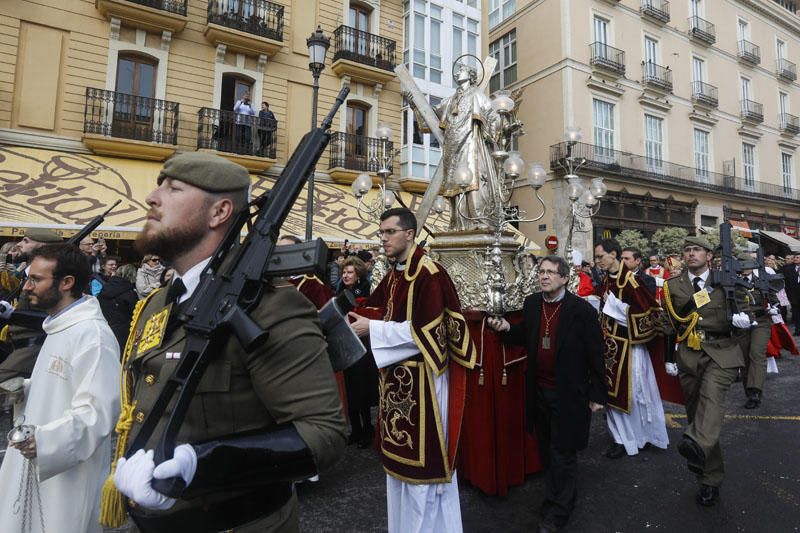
{"points": [[742, 29], [745, 88], [697, 8], [500, 10], [749, 162], [702, 160], [780, 49], [602, 134], [654, 142], [698, 72], [787, 174], [504, 49]]}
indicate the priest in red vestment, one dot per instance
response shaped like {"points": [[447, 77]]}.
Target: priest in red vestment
{"points": [[422, 347]]}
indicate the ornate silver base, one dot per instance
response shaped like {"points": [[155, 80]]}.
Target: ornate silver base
{"points": [[488, 275]]}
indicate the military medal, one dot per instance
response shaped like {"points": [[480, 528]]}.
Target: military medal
{"points": [[701, 298], [153, 331]]}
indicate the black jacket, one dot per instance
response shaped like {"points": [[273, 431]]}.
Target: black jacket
{"points": [[790, 283], [580, 370], [117, 300]]}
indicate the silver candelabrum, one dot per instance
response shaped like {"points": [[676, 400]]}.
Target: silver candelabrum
{"points": [[584, 200], [497, 213]]}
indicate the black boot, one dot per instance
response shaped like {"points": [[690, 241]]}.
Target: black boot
{"points": [[753, 399]]}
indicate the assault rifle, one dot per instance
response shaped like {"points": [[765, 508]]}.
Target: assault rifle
{"points": [[32, 319], [229, 288], [727, 277], [766, 283]]}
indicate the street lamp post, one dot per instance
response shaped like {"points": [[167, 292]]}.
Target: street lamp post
{"points": [[318, 45]]}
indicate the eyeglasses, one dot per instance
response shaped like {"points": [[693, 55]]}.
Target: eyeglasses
{"points": [[154, 259], [390, 231], [35, 280], [543, 273]]}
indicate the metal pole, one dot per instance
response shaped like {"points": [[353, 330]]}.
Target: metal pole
{"points": [[310, 198]]}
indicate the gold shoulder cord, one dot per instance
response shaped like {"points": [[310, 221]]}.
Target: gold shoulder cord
{"points": [[112, 505], [690, 335]]}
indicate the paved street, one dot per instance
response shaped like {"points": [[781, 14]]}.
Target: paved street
{"points": [[650, 492]]}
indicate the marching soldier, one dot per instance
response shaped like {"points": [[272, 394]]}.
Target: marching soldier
{"points": [[259, 420], [708, 359]]}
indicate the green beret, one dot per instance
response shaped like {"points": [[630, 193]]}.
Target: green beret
{"points": [[698, 241], [43, 235], [207, 171]]}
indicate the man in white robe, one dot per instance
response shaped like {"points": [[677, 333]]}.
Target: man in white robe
{"points": [[71, 399]]}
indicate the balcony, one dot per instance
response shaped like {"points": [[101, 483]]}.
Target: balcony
{"points": [[643, 170], [658, 10], [702, 31], [607, 58], [246, 26], [350, 155], [244, 139], [364, 57], [151, 15], [749, 52], [125, 125], [790, 124], [705, 94], [786, 70], [752, 111], [656, 77]]}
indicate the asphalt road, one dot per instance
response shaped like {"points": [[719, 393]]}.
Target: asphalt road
{"points": [[650, 492]]}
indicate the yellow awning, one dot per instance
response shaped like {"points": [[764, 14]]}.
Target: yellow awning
{"points": [[64, 191]]}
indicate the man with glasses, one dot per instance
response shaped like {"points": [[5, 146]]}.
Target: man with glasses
{"points": [[708, 359], [565, 381], [71, 400], [421, 343]]}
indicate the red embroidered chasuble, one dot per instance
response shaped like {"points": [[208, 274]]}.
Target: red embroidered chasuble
{"points": [[414, 445], [312, 288], [641, 327]]}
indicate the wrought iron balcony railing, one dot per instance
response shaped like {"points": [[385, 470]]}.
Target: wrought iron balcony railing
{"points": [[657, 9], [705, 94], [126, 116], [172, 6], [752, 111], [363, 47], [606, 161], [789, 123], [607, 57], [236, 133], [357, 152], [256, 17], [749, 52], [786, 69], [702, 30], [656, 76]]}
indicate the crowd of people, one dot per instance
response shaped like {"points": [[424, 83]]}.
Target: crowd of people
{"points": [[267, 417]]}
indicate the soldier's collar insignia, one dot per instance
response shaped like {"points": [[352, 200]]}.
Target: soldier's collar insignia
{"points": [[153, 332]]}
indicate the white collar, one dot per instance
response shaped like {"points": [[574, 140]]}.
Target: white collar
{"points": [[703, 277], [558, 297], [191, 279]]}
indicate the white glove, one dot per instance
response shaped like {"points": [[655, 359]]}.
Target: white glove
{"points": [[183, 464], [5, 310], [133, 478], [776, 319], [773, 310], [741, 321], [671, 369]]}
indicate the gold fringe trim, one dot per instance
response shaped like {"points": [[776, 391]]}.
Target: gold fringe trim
{"points": [[112, 503], [690, 335]]}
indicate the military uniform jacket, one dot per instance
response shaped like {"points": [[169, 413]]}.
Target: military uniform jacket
{"points": [[286, 379], [712, 325]]}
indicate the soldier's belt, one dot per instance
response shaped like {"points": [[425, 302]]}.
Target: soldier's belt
{"points": [[708, 336], [218, 516]]}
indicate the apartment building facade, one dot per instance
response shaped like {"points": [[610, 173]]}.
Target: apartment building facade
{"points": [[96, 94], [688, 109]]}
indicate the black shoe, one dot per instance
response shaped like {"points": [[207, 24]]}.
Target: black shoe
{"points": [[547, 527], [353, 438], [692, 452], [707, 496], [753, 399], [615, 451]]}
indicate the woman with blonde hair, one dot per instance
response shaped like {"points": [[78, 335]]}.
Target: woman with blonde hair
{"points": [[8, 279], [148, 278]]}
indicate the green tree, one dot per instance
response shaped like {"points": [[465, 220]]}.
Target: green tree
{"points": [[668, 241], [634, 239], [739, 242]]}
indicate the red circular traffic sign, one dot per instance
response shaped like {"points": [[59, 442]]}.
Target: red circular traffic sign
{"points": [[551, 242]]}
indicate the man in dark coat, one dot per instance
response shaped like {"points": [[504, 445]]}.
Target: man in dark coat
{"points": [[791, 276], [565, 381]]}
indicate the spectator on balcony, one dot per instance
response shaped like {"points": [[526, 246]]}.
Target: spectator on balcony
{"points": [[244, 110], [267, 124]]}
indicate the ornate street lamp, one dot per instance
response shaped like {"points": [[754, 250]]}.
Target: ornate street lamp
{"points": [[318, 45]]}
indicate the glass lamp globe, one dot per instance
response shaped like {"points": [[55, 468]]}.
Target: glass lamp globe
{"points": [[588, 199], [573, 134], [536, 176], [598, 188], [502, 103], [388, 199], [438, 205], [575, 188], [463, 175], [361, 185], [384, 131], [513, 165]]}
